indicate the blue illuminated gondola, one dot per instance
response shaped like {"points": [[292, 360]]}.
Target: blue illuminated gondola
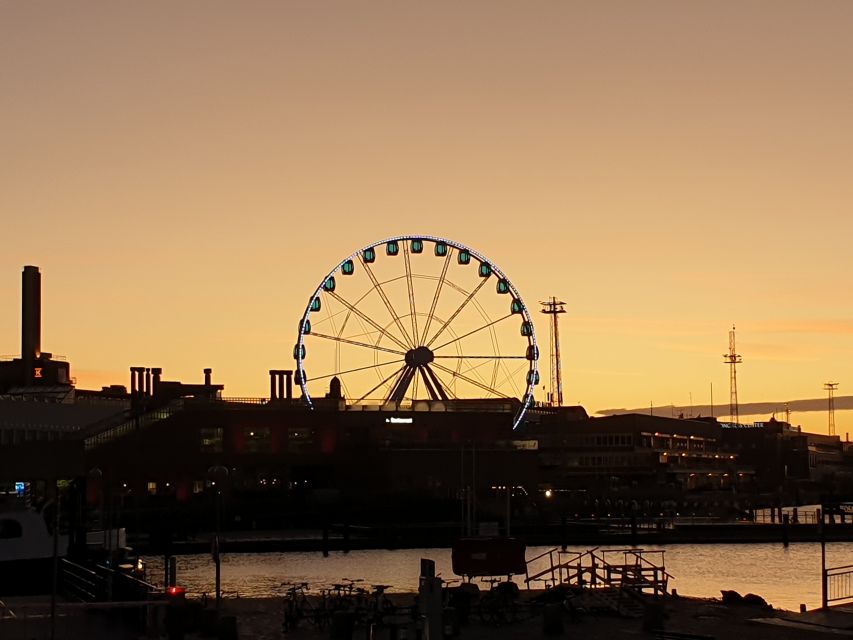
{"points": [[305, 327], [369, 254], [315, 304], [485, 269], [464, 256], [441, 249], [502, 286], [533, 377], [516, 306], [417, 246], [299, 352], [348, 268], [392, 248], [329, 284], [527, 328]]}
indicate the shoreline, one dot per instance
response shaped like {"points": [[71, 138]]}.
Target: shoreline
{"points": [[337, 538]]}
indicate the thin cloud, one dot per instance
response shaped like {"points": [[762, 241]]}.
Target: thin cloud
{"points": [[843, 326]]}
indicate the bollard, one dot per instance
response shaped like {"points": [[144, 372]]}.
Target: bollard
{"points": [[176, 613]]}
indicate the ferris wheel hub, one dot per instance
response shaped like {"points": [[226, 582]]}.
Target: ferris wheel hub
{"points": [[419, 357]]}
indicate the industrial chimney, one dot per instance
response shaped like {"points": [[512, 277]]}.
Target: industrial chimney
{"points": [[30, 320]]}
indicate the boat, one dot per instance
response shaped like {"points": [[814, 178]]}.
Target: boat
{"points": [[27, 552]]}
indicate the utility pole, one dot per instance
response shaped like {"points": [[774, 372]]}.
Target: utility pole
{"points": [[553, 307], [732, 359], [830, 388]]}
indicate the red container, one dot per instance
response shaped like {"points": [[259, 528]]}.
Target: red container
{"points": [[488, 557]]}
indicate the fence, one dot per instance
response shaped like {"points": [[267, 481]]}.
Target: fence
{"points": [[838, 583]]}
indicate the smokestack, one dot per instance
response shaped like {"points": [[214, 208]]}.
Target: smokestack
{"points": [[272, 384], [156, 372], [288, 376], [207, 373], [30, 320]]}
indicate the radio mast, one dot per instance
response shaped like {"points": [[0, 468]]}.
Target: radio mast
{"points": [[830, 388], [733, 360], [553, 307]]}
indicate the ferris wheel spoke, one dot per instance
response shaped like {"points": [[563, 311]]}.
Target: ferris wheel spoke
{"points": [[461, 357], [465, 335], [370, 366], [435, 386], [435, 297], [411, 287], [367, 319], [357, 343], [458, 311], [510, 376], [471, 381], [398, 391], [448, 388], [385, 299], [381, 383]]}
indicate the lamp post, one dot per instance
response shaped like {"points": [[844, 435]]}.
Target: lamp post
{"points": [[218, 474]]}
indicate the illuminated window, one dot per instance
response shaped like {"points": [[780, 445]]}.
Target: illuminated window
{"points": [[299, 439], [211, 439], [258, 439], [198, 486], [152, 488], [37, 372]]}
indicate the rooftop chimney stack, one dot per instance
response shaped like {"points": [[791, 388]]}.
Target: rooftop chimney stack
{"points": [[30, 320]]}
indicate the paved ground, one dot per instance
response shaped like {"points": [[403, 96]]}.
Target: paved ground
{"points": [[261, 619]]}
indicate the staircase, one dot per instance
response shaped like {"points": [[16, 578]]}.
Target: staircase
{"points": [[623, 602], [103, 433], [615, 570]]}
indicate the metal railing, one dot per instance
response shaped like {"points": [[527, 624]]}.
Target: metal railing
{"points": [[839, 583], [135, 423], [805, 516], [591, 569]]}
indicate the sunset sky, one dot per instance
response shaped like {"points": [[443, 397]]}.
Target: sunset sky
{"points": [[185, 174]]}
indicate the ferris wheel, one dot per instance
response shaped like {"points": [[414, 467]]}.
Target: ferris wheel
{"points": [[417, 323]]}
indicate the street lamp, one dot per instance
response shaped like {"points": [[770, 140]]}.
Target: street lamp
{"points": [[218, 474]]}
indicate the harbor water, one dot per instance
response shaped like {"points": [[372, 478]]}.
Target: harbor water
{"points": [[785, 577]]}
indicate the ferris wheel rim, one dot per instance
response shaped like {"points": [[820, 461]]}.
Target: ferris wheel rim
{"points": [[527, 397]]}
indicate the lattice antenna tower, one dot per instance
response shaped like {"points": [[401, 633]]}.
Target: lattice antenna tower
{"points": [[830, 389], [553, 308], [733, 360]]}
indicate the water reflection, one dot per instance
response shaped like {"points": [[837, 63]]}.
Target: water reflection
{"points": [[784, 577]]}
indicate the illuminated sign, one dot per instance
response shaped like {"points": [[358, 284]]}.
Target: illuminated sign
{"points": [[399, 420], [20, 488], [37, 372]]}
